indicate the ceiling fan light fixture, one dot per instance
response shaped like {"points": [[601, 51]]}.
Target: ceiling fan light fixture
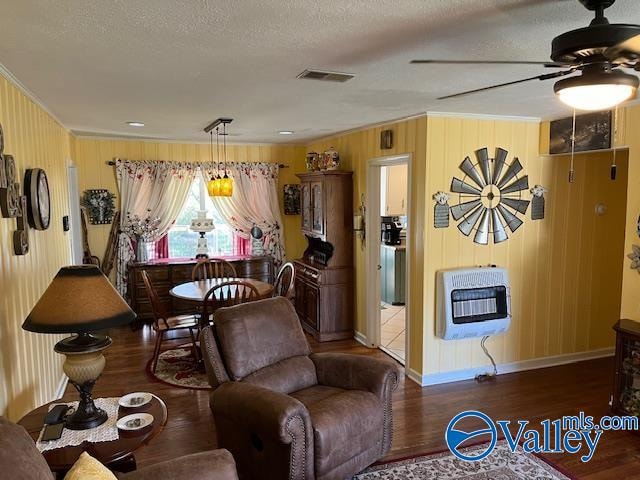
{"points": [[596, 90]]}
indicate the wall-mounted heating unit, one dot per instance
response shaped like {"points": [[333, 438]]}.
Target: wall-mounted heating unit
{"points": [[472, 302]]}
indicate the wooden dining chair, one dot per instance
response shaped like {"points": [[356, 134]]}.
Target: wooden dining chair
{"points": [[213, 268], [227, 294], [283, 287], [164, 323]]}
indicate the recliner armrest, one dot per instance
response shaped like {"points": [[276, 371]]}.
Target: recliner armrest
{"points": [[211, 465], [357, 372], [244, 410]]}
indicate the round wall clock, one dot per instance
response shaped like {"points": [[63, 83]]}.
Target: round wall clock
{"points": [[38, 201], [490, 196]]}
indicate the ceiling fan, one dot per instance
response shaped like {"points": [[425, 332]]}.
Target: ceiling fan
{"points": [[595, 53]]}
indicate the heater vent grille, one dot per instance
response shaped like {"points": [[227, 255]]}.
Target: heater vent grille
{"points": [[326, 76]]}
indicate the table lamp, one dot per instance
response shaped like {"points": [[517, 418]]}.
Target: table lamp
{"points": [[80, 300]]}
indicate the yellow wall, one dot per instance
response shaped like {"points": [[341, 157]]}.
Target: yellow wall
{"points": [[91, 155], [564, 270], [356, 149], [30, 371], [629, 126]]}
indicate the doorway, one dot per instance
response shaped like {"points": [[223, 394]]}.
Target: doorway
{"points": [[388, 225]]}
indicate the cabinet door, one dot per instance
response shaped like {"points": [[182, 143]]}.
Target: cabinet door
{"points": [[306, 207], [317, 208], [300, 300], [397, 190], [312, 297]]}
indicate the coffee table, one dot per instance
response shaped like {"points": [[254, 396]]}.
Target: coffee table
{"points": [[116, 455]]}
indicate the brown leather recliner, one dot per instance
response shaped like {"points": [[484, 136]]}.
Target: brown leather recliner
{"points": [[285, 413]]}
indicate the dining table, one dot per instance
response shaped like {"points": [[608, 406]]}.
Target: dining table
{"points": [[195, 291]]}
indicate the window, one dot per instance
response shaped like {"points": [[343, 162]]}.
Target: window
{"points": [[183, 242]]}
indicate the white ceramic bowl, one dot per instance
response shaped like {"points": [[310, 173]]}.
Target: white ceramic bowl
{"points": [[135, 399], [135, 421]]}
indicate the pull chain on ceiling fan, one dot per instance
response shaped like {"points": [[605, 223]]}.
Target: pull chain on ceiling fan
{"points": [[596, 51]]}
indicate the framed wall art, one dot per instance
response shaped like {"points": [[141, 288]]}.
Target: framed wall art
{"points": [[593, 132]]}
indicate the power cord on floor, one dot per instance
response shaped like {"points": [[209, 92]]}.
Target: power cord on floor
{"points": [[491, 375]]}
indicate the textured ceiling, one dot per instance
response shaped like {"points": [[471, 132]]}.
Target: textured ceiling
{"points": [[177, 65]]}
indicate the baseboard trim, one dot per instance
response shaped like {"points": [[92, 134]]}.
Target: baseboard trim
{"points": [[512, 367], [360, 338], [62, 386]]}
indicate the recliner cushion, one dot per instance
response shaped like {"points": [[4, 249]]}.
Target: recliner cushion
{"points": [[347, 428], [257, 334], [286, 376], [19, 457]]}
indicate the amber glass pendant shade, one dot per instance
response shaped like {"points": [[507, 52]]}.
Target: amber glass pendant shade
{"points": [[213, 187], [226, 186]]}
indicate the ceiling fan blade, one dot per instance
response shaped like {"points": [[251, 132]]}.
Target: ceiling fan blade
{"points": [[488, 62], [627, 51], [545, 76]]}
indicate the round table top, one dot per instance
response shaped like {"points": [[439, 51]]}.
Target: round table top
{"points": [[62, 459], [195, 291]]}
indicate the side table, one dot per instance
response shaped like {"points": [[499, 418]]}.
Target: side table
{"points": [[116, 455]]}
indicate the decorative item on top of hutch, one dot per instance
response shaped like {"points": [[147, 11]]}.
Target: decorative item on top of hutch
{"points": [[328, 160], [324, 275], [100, 205], [626, 389]]}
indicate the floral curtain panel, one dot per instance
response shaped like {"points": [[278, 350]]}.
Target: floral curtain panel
{"points": [[151, 193], [254, 202]]}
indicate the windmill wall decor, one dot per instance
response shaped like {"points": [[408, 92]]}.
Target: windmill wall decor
{"points": [[490, 196]]}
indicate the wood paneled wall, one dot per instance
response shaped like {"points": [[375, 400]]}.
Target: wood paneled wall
{"points": [[628, 128], [356, 149], [564, 270], [30, 371], [91, 155]]}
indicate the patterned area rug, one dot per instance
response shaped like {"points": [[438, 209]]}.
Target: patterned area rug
{"points": [[501, 464], [178, 367]]}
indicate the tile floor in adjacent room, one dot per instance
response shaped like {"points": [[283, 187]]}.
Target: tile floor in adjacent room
{"points": [[392, 329]]}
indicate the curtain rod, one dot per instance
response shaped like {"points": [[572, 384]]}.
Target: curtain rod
{"points": [[113, 164]]}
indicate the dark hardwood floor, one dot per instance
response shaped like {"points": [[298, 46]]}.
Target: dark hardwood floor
{"points": [[420, 414]]}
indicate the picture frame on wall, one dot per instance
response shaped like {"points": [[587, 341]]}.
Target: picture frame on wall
{"points": [[593, 132], [292, 199]]}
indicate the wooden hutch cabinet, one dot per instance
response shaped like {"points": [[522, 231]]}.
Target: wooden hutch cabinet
{"points": [[626, 387], [324, 275]]}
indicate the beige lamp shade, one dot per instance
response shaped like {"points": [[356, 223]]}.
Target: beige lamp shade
{"points": [[79, 299]]}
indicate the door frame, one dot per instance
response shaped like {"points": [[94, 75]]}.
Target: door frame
{"points": [[372, 255]]}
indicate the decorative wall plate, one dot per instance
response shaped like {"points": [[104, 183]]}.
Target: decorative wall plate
{"points": [[490, 196]]}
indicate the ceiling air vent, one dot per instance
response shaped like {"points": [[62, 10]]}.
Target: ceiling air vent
{"points": [[326, 76]]}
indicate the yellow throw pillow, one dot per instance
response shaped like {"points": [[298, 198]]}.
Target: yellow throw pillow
{"points": [[88, 468]]}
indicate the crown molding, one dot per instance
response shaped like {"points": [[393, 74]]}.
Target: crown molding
{"points": [[6, 73], [173, 141], [483, 116]]}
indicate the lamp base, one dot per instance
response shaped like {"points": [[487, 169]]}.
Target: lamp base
{"points": [[83, 365], [87, 415]]}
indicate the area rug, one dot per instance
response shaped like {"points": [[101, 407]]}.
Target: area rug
{"points": [[177, 367], [501, 464]]}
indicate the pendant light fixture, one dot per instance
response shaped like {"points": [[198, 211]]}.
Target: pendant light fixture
{"points": [[226, 182], [219, 186], [213, 186]]}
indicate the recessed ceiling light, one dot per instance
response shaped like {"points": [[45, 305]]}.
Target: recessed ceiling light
{"points": [[135, 124], [285, 132]]}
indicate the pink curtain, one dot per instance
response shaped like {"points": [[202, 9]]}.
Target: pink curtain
{"points": [[241, 246], [161, 248]]}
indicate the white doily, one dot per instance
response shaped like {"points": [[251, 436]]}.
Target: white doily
{"points": [[104, 433]]}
